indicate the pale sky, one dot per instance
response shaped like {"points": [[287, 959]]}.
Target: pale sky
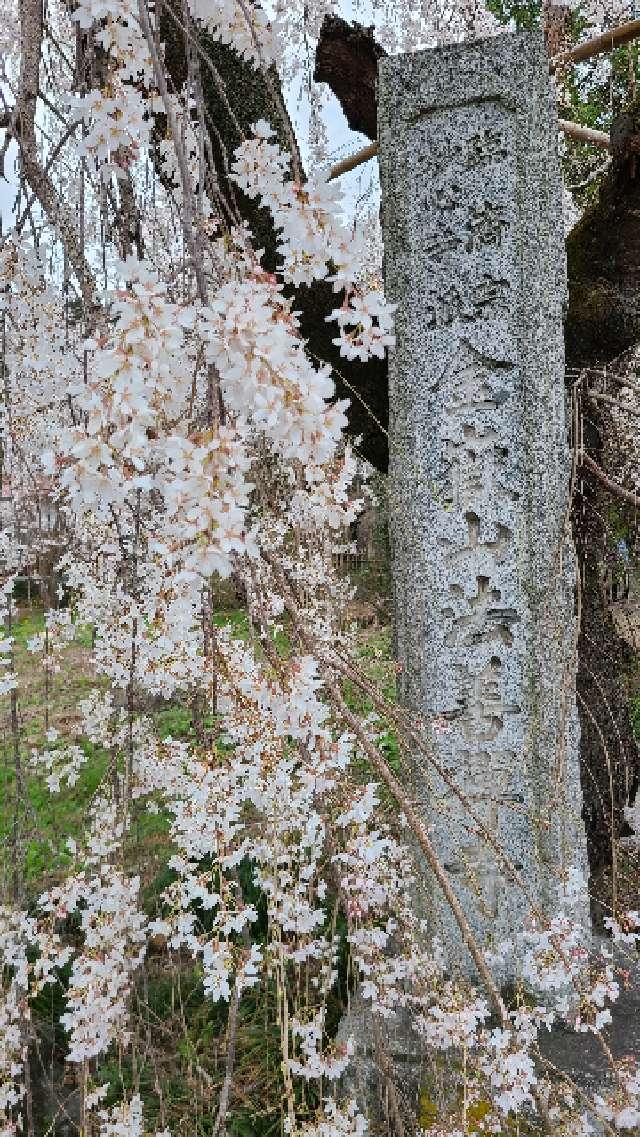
{"points": [[8, 184]]}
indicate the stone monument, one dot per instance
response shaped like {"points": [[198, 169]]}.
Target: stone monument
{"points": [[483, 564]]}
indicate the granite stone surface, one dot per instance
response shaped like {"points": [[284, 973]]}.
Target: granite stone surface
{"points": [[482, 560]]}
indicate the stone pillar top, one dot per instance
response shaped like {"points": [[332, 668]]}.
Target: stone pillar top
{"points": [[456, 74]]}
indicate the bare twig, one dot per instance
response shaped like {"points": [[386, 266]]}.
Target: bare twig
{"points": [[192, 234], [60, 144], [398, 791], [384, 1062], [22, 128], [276, 94], [356, 394], [219, 1127], [420, 833], [625, 408], [613, 487], [622, 380]]}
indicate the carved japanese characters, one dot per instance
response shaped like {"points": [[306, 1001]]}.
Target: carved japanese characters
{"points": [[479, 473]]}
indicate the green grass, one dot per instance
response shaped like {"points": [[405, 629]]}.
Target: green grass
{"points": [[46, 821], [56, 817], [174, 721], [234, 618], [184, 1049]]}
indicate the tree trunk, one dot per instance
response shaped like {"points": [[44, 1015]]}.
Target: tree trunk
{"points": [[603, 321]]}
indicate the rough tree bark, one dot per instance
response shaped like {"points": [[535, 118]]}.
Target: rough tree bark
{"points": [[603, 320]]}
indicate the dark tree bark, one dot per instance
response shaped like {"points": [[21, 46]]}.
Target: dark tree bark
{"points": [[606, 665], [603, 320], [347, 60], [235, 95], [603, 257]]}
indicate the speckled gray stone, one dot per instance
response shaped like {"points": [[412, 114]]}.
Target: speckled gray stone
{"points": [[483, 565]]}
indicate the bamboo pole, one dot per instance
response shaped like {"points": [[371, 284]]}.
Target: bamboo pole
{"points": [[598, 45]]}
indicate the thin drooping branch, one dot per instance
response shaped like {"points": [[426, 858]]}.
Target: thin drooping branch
{"points": [[60, 144], [384, 1063], [275, 91], [191, 231], [191, 228], [622, 379], [219, 1127], [401, 796], [421, 835], [613, 487], [22, 128], [625, 408]]}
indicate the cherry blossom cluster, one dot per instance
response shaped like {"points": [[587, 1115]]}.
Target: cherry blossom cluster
{"points": [[8, 678], [266, 375], [338, 1121], [40, 365], [244, 26], [13, 1010], [114, 942], [124, 1120], [115, 117], [116, 125], [21, 975], [117, 30], [59, 632], [313, 243], [601, 13], [622, 1106], [282, 755], [60, 765]]}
